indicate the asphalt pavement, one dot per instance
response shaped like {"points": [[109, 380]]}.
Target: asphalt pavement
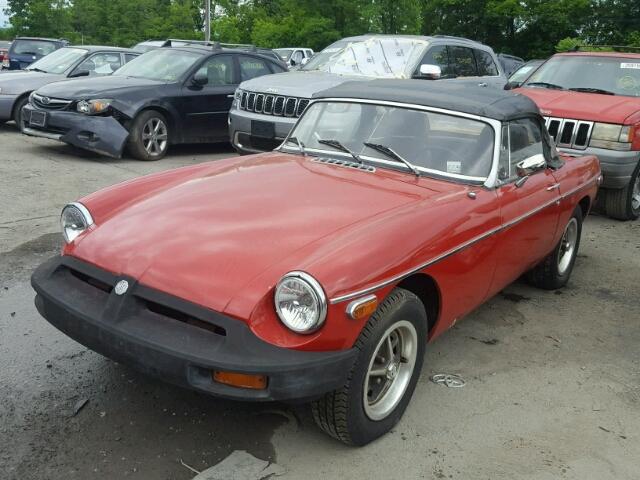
{"points": [[552, 378]]}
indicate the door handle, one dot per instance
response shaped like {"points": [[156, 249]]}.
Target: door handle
{"points": [[483, 84], [553, 187], [231, 96]]}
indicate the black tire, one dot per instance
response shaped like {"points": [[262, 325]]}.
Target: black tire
{"points": [[549, 274], [621, 204], [136, 142], [17, 111], [341, 413]]}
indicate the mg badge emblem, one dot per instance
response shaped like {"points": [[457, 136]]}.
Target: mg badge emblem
{"points": [[121, 287], [45, 100], [272, 90]]}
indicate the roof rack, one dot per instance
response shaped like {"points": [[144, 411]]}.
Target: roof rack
{"points": [[615, 48], [215, 45], [452, 37], [169, 42]]}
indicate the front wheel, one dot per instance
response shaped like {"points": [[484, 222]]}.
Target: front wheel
{"points": [[555, 270], [17, 112], [149, 136], [382, 380], [624, 204]]}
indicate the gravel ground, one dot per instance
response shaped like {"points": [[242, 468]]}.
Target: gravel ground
{"points": [[552, 377]]}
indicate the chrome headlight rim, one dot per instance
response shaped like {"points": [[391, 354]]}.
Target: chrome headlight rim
{"points": [[319, 296], [86, 216]]}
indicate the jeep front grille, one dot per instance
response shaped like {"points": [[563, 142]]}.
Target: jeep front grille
{"points": [[569, 133], [273, 104]]}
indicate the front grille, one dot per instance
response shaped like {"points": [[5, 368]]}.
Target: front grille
{"points": [[48, 103], [273, 104], [569, 133]]}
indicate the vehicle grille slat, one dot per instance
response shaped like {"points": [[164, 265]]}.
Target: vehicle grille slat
{"points": [[46, 103], [273, 104], [569, 133]]}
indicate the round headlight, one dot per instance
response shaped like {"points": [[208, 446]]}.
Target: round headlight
{"points": [[75, 219], [300, 302]]}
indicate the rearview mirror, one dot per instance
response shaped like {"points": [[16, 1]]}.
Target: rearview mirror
{"points": [[430, 72], [200, 79], [531, 165]]}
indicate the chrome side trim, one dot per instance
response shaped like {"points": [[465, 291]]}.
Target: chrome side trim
{"points": [[468, 243], [38, 133]]}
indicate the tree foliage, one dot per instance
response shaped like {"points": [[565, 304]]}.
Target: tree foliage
{"points": [[529, 28]]}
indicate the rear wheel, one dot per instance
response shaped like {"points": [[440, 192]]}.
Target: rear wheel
{"points": [[624, 204], [382, 380], [149, 136], [555, 270]]}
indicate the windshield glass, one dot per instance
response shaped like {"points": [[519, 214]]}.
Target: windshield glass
{"points": [[33, 47], [384, 57], [521, 74], [284, 53], [617, 75], [435, 142], [59, 61], [166, 65]]}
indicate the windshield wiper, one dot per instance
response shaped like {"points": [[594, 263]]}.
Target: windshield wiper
{"points": [[544, 85], [36, 69], [299, 143], [338, 146], [392, 154], [592, 90]]}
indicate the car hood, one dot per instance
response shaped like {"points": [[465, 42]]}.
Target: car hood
{"points": [[583, 106], [298, 83], [206, 235], [102, 87], [15, 82]]}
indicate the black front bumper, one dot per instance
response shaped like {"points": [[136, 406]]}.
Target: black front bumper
{"points": [[175, 340], [102, 135]]}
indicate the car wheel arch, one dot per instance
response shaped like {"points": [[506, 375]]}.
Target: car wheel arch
{"points": [[17, 102], [426, 288], [585, 206]]}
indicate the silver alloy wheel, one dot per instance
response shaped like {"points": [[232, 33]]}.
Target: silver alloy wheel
{"points": [[390, 370], [155, 137], [568, 246], [635, 195]]}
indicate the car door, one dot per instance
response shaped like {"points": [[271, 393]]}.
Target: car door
{"points": [[205, 108], [529, 206], [488, 70]]}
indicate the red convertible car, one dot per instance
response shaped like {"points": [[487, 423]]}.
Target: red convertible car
{"points": [[320, 271]]}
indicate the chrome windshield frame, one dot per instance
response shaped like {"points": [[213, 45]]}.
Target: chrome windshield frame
{"points": [[491, 181]]}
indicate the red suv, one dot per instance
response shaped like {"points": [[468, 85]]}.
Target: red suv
{"points": [[591, 103]]}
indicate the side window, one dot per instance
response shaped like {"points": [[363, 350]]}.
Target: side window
{"points": [[525, 140], [463, 61], [251, 67], [486, 65], [128, 57], [101, 64], [439, 56], [219, 71]]}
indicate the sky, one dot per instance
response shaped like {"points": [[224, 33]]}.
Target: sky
{"points": [[3, 17]]}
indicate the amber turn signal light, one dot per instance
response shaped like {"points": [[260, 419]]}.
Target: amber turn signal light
{"points": [[363, 307], [241, 380]]}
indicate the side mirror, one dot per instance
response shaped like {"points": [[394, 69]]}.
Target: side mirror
{"points": [[512, 85], [80, 73], [430, 72], [305, 61], [200, 79], [531, 165]]}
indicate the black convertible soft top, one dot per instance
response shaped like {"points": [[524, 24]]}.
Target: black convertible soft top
{"points": [[451, 95]]}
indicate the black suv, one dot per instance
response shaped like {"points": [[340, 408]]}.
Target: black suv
{"points": [[166, 96]]}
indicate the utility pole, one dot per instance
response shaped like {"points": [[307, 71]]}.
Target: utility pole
{"points": [[207, 20]]}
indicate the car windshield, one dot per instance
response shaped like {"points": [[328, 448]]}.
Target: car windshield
{"points": [[436, 143], [284, 53], [521, 74], [59, 61], [163, 64], [383, 57], [145, 47], [33, 47], [591, 74]]}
